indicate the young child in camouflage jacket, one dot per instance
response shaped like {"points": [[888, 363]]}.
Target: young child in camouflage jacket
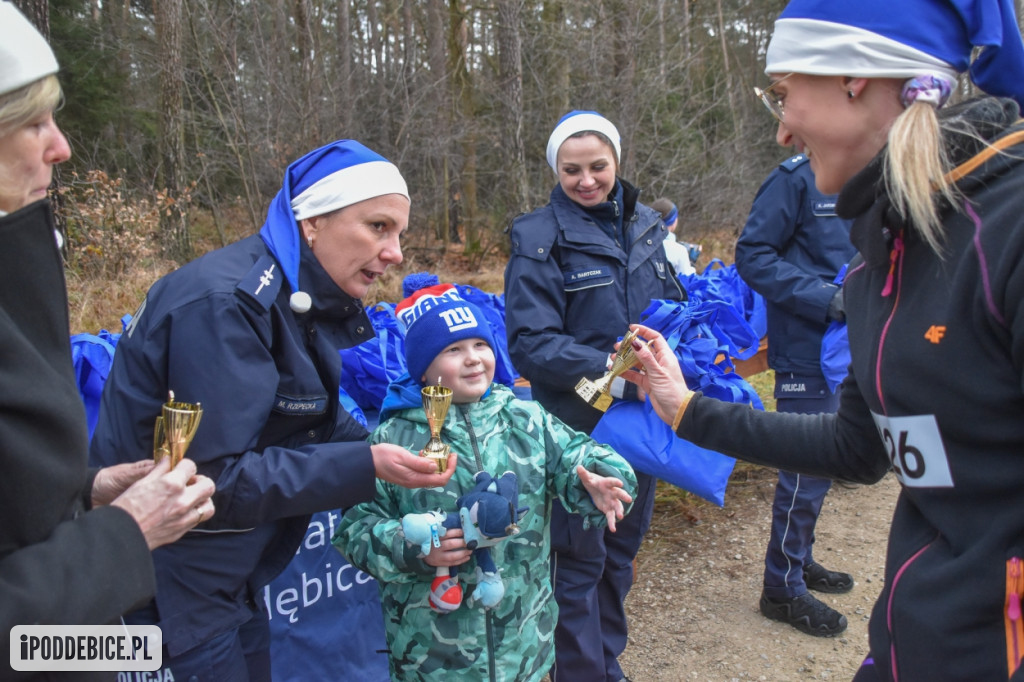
{"points": [[490, 430]]}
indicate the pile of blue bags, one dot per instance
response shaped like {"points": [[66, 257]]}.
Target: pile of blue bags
{"points": [[723, 320]]}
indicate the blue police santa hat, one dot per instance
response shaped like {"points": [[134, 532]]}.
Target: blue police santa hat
{"points": [[334, 176], [436, 317], [907, 39], [579, 122]]}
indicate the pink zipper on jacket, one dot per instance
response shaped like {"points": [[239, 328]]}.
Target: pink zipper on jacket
{"points": [[895, 273], [888, 608]]}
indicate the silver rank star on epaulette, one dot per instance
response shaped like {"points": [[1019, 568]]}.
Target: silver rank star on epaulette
{"points": [[262, 282]]}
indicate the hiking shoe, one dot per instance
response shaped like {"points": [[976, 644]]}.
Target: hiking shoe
{"points": [[806, 614], [819, 578]]}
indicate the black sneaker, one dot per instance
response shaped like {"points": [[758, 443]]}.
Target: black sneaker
{"points": [[806, 614], [819, 578]]}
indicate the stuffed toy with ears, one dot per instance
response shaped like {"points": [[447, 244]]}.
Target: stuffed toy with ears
{"points": [[487, 515]]}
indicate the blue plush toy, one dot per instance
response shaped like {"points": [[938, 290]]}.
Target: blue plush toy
{"points": [[487, 515]]}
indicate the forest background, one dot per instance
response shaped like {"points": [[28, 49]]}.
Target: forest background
{"points": [[182, 117]]}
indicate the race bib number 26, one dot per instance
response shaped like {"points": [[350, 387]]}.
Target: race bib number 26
{"points": [[915, 450]]}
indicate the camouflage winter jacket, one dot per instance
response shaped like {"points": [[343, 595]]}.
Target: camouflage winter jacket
{"points": [[512, 641]]}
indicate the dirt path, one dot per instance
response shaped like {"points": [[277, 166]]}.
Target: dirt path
{"points": [[693, 610]]}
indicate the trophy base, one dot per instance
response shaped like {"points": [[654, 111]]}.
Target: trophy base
{"points": [[440, 458], [594, 396]]}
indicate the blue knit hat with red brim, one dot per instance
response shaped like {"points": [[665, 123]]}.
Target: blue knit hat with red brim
{"points": [[435, 318]]}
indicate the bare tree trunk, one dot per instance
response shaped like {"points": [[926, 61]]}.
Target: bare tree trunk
{"points": [[626, 116], [309, 109], [38, 13], [556, 68], [511, 89], [440, 157], [726, 70], [343, 99], [177, 241], [462, 84], [686, 26]]}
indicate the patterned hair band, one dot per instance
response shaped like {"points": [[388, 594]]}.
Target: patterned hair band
{"points": [[934, 90]]}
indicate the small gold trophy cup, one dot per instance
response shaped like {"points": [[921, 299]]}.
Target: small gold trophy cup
{"points": [[175, 428], [436, 401], [597, 393]]}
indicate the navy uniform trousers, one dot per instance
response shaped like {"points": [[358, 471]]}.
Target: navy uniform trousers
{"points": [[798, 497], [592, 571]]}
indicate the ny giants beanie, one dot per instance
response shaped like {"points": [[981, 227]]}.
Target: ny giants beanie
{"points": [[436, 317]]}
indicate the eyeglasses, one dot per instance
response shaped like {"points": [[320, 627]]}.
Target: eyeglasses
{"points": [[771, 101]]}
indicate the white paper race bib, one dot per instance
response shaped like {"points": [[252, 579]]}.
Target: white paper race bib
{"points": [[915, 450]]}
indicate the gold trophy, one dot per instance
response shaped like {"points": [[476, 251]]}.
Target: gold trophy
{"points": [[436, 401], [175, 428], [597, 393]]}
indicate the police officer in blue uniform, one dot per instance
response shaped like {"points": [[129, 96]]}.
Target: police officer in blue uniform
{"points": [[582, 268], [252, 332], [791, 249]]}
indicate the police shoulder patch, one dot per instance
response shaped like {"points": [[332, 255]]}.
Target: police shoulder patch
{"points": [[262, 282], [793, 162]]}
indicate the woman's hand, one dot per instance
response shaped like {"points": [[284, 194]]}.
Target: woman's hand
{"points": [[397, 465], [452, 552], [113, 480], [607, 494], [661, 379], [166, 503]]}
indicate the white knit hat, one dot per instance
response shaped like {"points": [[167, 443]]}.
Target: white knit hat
{"points": [[579, 122], [25, 57]]}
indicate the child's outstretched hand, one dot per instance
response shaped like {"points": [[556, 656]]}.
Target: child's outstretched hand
{"points": [[607, 494]]}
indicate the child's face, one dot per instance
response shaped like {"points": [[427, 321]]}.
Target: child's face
{"points": [[466, 367]]}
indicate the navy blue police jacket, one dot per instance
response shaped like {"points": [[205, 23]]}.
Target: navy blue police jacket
{"points": [[571, 291], [790, 251], [219, 331]]}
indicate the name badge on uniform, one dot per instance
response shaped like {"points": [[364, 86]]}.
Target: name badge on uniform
{"points": [[585, 278], [824, 207], [291, 405], [915, 449]]}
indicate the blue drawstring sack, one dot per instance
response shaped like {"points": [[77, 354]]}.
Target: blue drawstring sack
{"points": [[694, 330], [319, 603], [723, 283], [635, 431], [835, 347], [699, 333], [92, 356], [367, 369]]}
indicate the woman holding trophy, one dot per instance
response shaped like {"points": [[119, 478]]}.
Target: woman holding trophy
{"points": [[934, 308], [55, 511], [582, 268], [252, 332]]}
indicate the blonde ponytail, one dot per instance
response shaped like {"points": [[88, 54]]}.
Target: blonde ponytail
{"points": [[915, 165]]}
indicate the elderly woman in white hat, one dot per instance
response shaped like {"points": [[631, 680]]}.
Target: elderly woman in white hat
{"points": [[56, 512], [934, 308], [252, 331], [582, 268]]}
